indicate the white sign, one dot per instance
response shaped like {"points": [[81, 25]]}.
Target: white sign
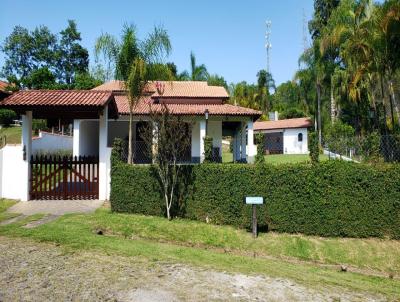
{"points": [[254, 200]]}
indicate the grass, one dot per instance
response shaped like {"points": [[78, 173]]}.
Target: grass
{"points": [[13, 134], [225, 248], [4, 205], [278, 159]]}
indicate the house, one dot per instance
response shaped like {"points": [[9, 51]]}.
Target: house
{"points": [[3, 90], [98, 117], [288, 136]]}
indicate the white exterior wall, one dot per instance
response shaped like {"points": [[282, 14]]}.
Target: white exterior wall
{"points": [[13, 173], [86, 138], [48, 142], [104, 156], [291, 145], [196, 140]]}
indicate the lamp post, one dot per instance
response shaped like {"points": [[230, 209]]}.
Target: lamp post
{"points": [[206, 112]]}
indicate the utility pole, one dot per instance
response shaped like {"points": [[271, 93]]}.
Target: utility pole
{"points": [[268, 44]]}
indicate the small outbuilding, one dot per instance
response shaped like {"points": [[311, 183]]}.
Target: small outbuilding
{"points": [[289, 136]]}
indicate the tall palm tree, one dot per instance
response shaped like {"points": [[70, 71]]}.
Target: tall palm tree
{"points": [[265, 83], [136, 62], [197, 72]]}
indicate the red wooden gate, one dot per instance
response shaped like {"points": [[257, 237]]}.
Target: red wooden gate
{"points": [[64, 177]]}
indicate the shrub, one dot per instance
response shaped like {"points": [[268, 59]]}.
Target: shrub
{"points": [[208, 149], [332, 198], [313, 146], [7, 116], [260, 141]]}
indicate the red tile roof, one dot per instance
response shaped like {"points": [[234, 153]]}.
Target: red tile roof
{"points": [[147, 104], [3, 85], [174, 89], [58, 98], [283, 124]]}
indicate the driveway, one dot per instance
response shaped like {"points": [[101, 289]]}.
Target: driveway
{"points": [[45, 272], [55, 207]]}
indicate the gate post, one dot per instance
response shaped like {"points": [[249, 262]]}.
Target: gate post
{"points": [[103, 155], [26, 154]]}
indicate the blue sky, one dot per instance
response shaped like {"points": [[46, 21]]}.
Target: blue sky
{"points": [[227, 36]]}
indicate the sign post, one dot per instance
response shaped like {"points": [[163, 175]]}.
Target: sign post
{"points": [[254, 201]]}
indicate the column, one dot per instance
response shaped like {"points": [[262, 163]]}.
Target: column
{"points": [[251, 148], [103, 154], [243, 142], [26, 153], [76, 137], [201, 137]]}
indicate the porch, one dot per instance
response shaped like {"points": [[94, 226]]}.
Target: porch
{"points": [[239, 130]]}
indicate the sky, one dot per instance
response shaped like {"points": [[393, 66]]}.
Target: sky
{"points": [[227, 36]]}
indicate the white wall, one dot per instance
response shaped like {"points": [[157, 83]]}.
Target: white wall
{"points": [[291, 145], [48, 142], [196, 140], [89, 138], [13, 172]]}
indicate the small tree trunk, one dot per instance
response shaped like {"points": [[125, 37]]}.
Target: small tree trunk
{"points": [[319, 113], [130, 138], [333, 104], [394, 102]]}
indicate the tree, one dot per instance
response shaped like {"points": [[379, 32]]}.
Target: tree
{"points": [[167, 135], [265, 83], [216, 80], [86, 81], [72, 58], [41, 78], [38, 59], [137, 63]]}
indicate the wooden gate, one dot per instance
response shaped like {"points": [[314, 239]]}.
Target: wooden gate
{"points": [[64, 177]]}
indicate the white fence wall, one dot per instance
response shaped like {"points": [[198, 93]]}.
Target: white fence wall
{"points": [[13, 172], [48, 143]]}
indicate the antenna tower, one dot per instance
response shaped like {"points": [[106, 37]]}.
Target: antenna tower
{"points": [[268, 44]]}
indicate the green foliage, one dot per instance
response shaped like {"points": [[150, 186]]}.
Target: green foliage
{"points": [[313, 146], [216, 80], [7, 116], [260, 141], [208, 149], [38, 125], [333, 198], [339, 136], [85, 81], [38, 59], [117, 151], [371, 147]]}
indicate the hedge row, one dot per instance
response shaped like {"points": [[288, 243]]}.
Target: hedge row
{"points": [[333, 198]]}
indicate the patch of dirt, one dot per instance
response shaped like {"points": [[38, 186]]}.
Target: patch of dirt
{"points": [[44, 272]]}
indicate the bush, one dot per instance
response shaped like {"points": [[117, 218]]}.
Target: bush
{"points": [[208, 149], [7, 116], [260, 141], [313, 146], [332, 198]]}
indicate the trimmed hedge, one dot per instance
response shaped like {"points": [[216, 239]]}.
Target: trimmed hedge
{"points": [[332, 198]]}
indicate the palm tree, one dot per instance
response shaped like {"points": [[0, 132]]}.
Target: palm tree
{"points": [[136, 62], [197, 72], [265, 84]]}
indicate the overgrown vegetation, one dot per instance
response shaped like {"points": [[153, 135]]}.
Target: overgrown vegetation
{"points": [[332, 198]]}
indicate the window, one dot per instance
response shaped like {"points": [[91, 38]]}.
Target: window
{"points": [[300, 137]]}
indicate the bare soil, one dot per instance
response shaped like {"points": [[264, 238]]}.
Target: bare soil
{"points": [[33, 271]]}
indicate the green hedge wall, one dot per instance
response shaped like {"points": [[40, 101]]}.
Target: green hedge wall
{"points": [[332, 198]]}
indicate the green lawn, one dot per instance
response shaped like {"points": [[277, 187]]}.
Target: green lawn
{"points": [[311, 261], [4, 205], [13, 134], [278, 159]]}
